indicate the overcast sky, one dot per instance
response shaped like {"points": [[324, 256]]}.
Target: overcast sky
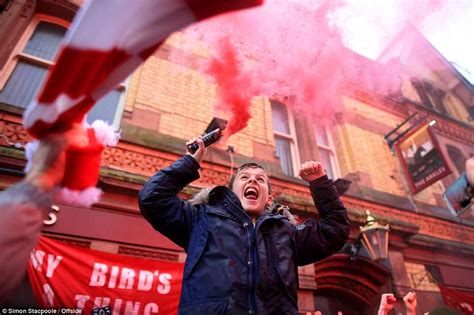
{"points": [[369, 25]]}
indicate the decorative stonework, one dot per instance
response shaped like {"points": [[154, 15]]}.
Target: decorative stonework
{"points": [[428, 225], [138, 160], [14, 132], [133, 162], [124, 250], [348, 286], [455, 132], [70, 241]]}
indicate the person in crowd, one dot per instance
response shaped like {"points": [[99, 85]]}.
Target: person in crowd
{"points": [[470, 172], [388, 301], [24, 206], [241, 257], [410, 303]]}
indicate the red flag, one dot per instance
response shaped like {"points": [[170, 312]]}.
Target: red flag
{"points": [[106, 42], [459, 300]]}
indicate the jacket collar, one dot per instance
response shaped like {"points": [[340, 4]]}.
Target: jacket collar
{"points": [[228, 203]]}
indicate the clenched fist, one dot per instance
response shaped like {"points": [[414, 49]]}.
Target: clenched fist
{"points": [[311, 170]]}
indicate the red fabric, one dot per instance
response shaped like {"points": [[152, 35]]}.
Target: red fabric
{"points": [[459, 300], [63, 275], [85, 70], [94, 61], [83, 164]]}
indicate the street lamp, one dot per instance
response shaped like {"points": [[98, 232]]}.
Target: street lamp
{"points": [[375, 238]]}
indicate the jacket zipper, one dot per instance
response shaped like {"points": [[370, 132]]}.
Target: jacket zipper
{"points": [[251, 265]]}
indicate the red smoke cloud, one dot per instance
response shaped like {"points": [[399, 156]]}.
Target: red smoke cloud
{"points": [[288, 48]]}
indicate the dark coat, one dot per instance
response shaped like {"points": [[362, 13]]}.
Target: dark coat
{"points": [[232, 266]]}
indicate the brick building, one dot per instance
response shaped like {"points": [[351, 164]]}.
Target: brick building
{"points": [[165, 102]]}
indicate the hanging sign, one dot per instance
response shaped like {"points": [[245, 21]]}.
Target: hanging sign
{"points": [[421, 158]]}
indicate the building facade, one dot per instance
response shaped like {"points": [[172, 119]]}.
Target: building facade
{"points": [[166, 101]]}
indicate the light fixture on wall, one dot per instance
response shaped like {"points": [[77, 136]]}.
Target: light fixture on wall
{"points": [[432, 122], [374, 237]]}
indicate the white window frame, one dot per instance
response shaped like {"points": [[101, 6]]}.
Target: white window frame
{"points": [[331, 148], [295, 158], [18, 55]]}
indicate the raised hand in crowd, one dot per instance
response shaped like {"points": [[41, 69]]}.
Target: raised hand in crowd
{"points": [[311, 170], [410, 302], [387, 303], [200, 152], [470, 171]]}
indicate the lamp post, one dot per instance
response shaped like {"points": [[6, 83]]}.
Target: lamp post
{"points": [[375, 238]]}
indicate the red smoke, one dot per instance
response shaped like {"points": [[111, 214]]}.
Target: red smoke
{"points": [[287, 48], [234, 86]]}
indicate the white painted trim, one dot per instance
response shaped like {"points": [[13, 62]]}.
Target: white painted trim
{"points": [[17, 52], [331, 148]]}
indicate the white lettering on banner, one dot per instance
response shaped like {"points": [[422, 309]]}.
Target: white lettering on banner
{"points": [[37, 257], [37, 260], [150, 308], [165, 286], [145, 280], [117, 306], [132, 308], [48, 295], [81, 300], [127, 278], [101, 302], [98, 275], [53, 262], [113, 277]]}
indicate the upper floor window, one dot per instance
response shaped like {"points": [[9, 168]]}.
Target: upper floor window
{"points": [[32, 65], [327, 153], [457, 157], [285, 139], [430, 96], [26, 70]]}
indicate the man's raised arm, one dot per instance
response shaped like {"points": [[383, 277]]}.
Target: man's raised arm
{"points": [[159, 202], [318, 239]]}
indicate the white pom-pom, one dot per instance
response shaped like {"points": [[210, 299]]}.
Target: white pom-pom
{"points": [[82, 198], [30, 150], [105, 133]]}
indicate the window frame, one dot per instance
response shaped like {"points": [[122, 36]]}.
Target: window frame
{"points": [[430, 96], [295, 158], [17, 55], [331, 148]]}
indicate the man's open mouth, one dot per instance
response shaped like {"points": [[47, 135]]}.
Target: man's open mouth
{"points": [[251, 193]]}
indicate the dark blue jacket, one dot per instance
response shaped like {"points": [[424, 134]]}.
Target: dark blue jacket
{"points": [[232, 266]]}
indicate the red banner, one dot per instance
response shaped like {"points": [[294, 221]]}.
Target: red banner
{"points": [[459, 300], [63, 275]]}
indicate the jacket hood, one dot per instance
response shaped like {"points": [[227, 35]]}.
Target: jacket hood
{"points": [[202, 197]]}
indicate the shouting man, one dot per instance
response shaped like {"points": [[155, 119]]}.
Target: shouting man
{"points": [[242, 258]]}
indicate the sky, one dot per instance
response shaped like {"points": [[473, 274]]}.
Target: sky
{"points": [[448, 25]]}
